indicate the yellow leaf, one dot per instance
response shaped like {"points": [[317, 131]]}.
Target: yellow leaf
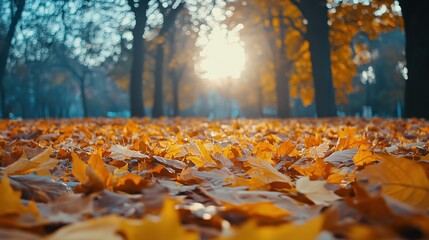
{"points": [[318, 151], [204, 152], [118, 152], [105, 228], [130, 183], [264, 172], [318, 169], [198, 161], [401, 179], [352, 142], [38, 163], [250, 231], [315, 191], [264, 150], [364, 157], [79, 168], [93, 176], [43, 156], [167, 227], [173, 150], [21, 166], [262, 209], [97, 164], [10, 200], [204, 157], [285, 148]]}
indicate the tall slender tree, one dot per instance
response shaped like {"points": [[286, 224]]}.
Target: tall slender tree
{"points": [[416, 22], [315, 13], [5, 46], [169, 14], [139, 9]]}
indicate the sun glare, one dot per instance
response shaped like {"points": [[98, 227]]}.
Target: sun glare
{"points": [[223, 56]]}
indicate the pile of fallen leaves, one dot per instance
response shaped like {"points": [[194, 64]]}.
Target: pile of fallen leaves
{"points": [[200, 179]]}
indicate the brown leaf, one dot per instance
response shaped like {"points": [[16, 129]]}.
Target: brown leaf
{"points": [[38, 188], [400, 178]]}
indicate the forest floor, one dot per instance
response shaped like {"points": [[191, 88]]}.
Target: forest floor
{"points": [[199, 179]]}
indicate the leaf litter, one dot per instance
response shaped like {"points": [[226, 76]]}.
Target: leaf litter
{"points": [[199, 179]]}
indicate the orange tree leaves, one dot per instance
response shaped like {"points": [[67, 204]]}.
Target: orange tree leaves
{"points": [[263, 179]]}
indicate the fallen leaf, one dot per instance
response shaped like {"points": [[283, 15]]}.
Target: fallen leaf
{"points": [[285, 148], [38, 188], [15, 234], [118, 152], [10, 200], [170, 162], [21, 166], [259, 209], [168, 226], [264, 172], [342, 157], [38, 163], [93, 176], [106, 228], [318, 151], [79, 168], [130, 183], [364, 157], [400, 178], [203, 158], [250, 231], [315, 191]]}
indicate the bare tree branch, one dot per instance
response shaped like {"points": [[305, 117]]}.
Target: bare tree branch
{"points": [[294, 26]]}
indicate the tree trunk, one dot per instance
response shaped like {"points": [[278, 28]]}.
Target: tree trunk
{"points": [[416, 22], [83, 95], [279, 58], [158, 105], [175, 89], [137, 67], [282, 91], [169, 18], [316, 13], [260, 110], [175, 73], [4, 53], [282, 80]]}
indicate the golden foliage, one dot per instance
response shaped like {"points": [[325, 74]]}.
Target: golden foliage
{"points": [[347, 20]]}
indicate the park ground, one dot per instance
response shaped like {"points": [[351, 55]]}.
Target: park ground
{"points": [[202, 179]]}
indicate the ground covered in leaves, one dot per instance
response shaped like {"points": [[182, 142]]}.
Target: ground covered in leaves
{"points": [[199, 179]]}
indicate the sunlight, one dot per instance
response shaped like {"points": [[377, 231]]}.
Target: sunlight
{"points": [[222, 56]]}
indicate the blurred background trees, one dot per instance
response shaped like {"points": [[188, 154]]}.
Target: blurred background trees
{"points": [[213, 58]]}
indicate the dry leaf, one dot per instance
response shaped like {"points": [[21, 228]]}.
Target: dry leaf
{"points": [[166, 227], [250, 231], [364, 157], [118, 152], [10, 200], [39, 163], [264, 172], [316, 191], [106, 228], [402, 179]]}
